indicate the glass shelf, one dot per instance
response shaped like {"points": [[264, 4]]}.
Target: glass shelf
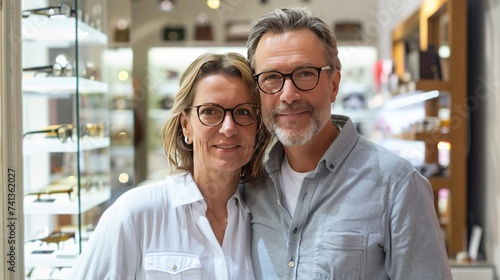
{"points": [[62, 85], [58, 31]]}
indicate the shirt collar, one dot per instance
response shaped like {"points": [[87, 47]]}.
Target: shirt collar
{"points": [[182, 190], [334, 155]]}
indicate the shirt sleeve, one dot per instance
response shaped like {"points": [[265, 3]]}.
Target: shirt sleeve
{"points": [[112, 250], [415, 243]]}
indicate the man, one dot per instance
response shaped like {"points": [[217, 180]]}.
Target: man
{"points": [[332, 204]]}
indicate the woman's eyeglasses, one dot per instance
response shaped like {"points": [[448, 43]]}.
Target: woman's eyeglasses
{"points": [[55, 70], [66, 131], [213, 114]]}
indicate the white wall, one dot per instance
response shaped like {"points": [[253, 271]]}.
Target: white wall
{"points": [[492, 134]]}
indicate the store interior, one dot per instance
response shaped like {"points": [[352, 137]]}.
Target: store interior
{"points": [[421, 78]]}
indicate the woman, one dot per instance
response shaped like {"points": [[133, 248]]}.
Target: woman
{"points": [[193, 224]]}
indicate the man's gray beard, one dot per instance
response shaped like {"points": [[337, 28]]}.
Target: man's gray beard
{"points": [[292, 137]]}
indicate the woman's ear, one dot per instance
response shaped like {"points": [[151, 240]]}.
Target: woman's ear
{"points": [[185, 125]]}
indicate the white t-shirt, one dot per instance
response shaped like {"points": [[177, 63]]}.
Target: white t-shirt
{"points": [[290, 185]]}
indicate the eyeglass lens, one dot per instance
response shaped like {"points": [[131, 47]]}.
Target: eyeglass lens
{"points": [[303, 78], [213, 114], [62, 71], [63, 133]]}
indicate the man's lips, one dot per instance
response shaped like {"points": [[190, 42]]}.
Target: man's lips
{"points": [[290, 114]]}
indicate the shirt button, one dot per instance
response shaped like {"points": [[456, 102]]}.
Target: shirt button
{"points": [[332, 166], [291, 263], [295, 230], [174, 267]]}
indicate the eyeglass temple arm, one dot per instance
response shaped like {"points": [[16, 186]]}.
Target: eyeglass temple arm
{"points": [[38, 68], [38, 11], [39, 131]]}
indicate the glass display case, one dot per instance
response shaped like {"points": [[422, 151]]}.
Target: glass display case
{"points": [[66, 142]]}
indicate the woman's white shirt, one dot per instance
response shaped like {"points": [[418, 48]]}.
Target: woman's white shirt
{"points": [[160, 231]]}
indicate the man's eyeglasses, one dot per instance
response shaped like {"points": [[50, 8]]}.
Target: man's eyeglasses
{"points": [[244, 114], [306, 78], [63, 9], [56, 70]]}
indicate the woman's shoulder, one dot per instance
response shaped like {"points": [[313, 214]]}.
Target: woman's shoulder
{"points": [[144, 196]]}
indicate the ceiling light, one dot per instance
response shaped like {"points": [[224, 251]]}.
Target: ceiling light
{"points": [[167, 5], [213, 4]]}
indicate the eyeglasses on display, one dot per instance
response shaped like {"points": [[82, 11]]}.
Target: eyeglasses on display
{"points": [[62, 9], [56, 236], [305, 78], [66, 131], [52, 189], [244, 114], [55, 70]]}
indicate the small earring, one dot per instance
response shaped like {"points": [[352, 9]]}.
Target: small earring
{"points": [[186, 139]]}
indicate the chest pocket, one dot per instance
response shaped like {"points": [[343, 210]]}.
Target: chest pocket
{"points": [[340, 255], [170, 265]]}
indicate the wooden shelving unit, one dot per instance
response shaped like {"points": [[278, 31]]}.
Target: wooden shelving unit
{"points": [[443, 23]]}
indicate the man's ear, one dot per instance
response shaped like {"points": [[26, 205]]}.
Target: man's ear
{"points": [[335, 85]]}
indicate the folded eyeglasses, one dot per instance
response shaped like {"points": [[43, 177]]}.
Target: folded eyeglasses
{"points": [[56, 70], [62, 9], [65, 131]]}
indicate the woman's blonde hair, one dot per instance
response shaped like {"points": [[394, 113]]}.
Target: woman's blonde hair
{"points": [[180, 155]]}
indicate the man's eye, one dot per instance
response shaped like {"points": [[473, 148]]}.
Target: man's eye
{"points": [[273, 76], [305, 73]]}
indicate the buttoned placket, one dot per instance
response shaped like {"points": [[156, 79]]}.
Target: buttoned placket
{"points": [[220, 266], [297, 225]]}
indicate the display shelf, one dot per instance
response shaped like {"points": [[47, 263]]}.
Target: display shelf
{"points": [[63, 205], [57, 31], [434, 136], [54, 145], [46, 255], [62, 85], [429, 85]]}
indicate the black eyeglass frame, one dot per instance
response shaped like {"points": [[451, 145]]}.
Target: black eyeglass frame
{"points": [[224, 114], [290, 75], [55, 69]]}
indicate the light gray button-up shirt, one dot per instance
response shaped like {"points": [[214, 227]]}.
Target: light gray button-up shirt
{"points": [[363, 213]]}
